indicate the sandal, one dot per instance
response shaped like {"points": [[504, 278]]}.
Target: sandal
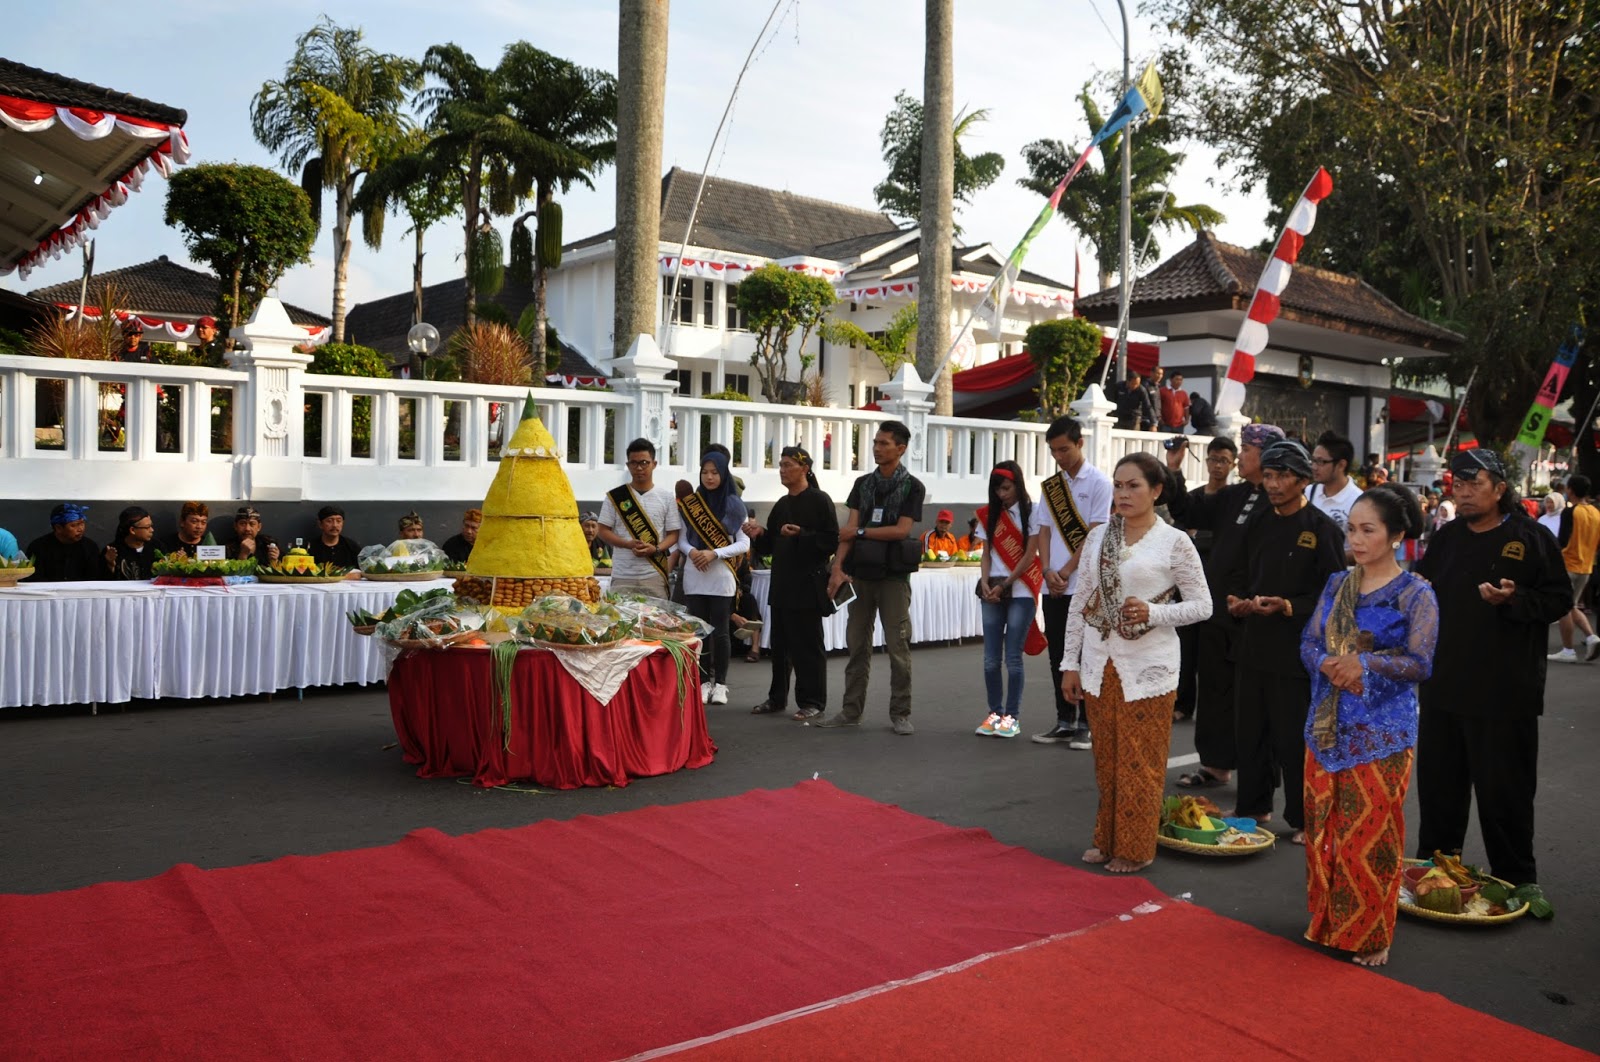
{"points": [[768, 708], [1201, 779], [806, 712]]}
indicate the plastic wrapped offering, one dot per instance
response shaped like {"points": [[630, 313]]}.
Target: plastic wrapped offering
{"points": [[403, 555], [560, 619]]}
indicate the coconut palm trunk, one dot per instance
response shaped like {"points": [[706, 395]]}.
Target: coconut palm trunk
{"points": [[641, 105], [471, 202], [938, 193], [537, 347], [343, 193]]}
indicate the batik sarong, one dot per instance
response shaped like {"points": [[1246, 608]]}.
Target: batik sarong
{"points": [[1131, 740], [1355, 840]]}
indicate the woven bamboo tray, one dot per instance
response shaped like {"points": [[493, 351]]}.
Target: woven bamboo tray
{"points": [[443, 641], [267, 577], [580, 648], [1178, 844], [651, 634], [402, 577], [366, 629], [10, 576], [938, 564], [1464, 918]]}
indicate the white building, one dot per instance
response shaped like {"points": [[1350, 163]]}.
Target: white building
{"points": [[740, 227]]}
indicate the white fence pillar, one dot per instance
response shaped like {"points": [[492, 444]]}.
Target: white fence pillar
{"points": [[641, 374], [1096, 414], [910, 401], [268, 450]]}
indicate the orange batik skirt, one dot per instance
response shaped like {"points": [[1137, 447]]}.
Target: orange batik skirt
{"points": [[1131, 743], [1355, 844]]}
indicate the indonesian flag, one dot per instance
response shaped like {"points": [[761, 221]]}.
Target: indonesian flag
{"points": [[1264, 304]]}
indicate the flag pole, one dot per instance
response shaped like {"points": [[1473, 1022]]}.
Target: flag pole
{"points": [[1461, 406]]}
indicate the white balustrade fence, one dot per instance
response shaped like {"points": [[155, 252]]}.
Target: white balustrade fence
{"points": [[267, 430]]}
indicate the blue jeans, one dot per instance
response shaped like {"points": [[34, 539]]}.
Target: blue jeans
{"points": [[1005, 624]]}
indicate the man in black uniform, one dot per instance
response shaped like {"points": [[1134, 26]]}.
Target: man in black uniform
{"points": [[333, 546], [1289, 553], [1222, 515], [1500, 582], [65, 555]]}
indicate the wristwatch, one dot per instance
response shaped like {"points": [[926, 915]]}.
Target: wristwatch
{"points": [[861, 532]]}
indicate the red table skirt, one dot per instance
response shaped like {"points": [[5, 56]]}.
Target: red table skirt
{"points": [[448, 720]]}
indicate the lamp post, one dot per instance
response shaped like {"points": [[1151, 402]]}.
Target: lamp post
{"points": [[1125, 241], [423, 339]]}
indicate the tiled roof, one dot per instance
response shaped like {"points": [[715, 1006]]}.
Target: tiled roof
{"points": [[159, 288], [981, 265], [382, 324], [31, 83], [1210, 274], [747, 219], [840, 250]]}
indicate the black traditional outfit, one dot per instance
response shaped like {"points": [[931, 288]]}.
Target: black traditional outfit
{"points": [[797, 595]]}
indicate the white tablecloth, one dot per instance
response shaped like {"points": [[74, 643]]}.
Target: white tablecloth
{"points": [[83, 643], [944, 607]]}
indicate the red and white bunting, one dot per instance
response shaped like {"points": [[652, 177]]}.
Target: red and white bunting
{"points": [[161, 330], [966, 285], [713, 269], [1265, 304], [31, 116], [556, 378]]}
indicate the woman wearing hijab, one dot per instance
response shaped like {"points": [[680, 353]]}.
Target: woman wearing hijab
{"points": [[1369, 643], [801, 534], [712, 541], [1128, 664]]}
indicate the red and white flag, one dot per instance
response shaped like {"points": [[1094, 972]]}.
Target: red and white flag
{"points": [[1264, 304]]}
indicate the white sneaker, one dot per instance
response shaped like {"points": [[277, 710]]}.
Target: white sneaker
{"points": [[1591, 647], [1568, 656], [719, 694], [705, 692]]}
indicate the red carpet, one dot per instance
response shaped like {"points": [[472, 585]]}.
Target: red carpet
{"points": [[1136, 999], [595, 938]]}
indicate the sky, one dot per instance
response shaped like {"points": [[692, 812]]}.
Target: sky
{"points": [[807, 117]]}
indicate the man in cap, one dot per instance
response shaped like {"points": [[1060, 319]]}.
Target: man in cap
{"points": [[206, 343], [1289, 553], [1221, 517], [1500, 582], [134, 348], [193, 520], [333, 546], [458, 547], [248, 541], [66, 554], [940, 540]]}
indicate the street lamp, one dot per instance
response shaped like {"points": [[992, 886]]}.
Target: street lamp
{"points": [[423, 339]]}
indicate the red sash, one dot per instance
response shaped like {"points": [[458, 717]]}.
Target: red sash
{"points": [[1009, 543]]}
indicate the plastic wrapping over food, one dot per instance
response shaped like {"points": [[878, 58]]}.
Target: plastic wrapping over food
{"points": [[656, 617], [561, 619], [404, 555], [437, 620]]}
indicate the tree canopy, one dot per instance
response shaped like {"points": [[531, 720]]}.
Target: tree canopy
{"points": [[1462, 138], [246, 223], [900, 194], [780, 303]]}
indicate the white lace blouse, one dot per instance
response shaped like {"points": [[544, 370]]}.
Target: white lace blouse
{"points": [[1148, 666]]}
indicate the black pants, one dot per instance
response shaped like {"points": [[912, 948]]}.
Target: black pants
{"points": [[715, 610], [1495, 758], [1068, 715], [797, 645], [1214, 694], [1269, 725]]}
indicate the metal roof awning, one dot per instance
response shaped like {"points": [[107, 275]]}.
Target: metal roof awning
{"points": [[70, 153]]}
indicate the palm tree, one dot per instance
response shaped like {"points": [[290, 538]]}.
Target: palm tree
{"points": [[900, 194], [938, 196], [641, 107], [337, 101], [1092, 202], [570, 114]]}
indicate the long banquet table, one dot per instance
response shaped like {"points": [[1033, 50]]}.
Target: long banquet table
{"points": [[107, 643], [944, 608]]}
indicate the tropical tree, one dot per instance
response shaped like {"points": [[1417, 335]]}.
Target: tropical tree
{"points": [[894, 346], [337, 102], [1475, 117], [936, 221], [1092, 203], [425, 203], [246, 223], [641, 108], [1063, 350], [781, 303], [900, 194], [570, 115]]}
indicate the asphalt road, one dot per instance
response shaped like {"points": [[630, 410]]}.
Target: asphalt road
{"points": [[127, 794]]}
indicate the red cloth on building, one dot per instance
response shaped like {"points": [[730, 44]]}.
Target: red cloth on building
{"points": [[448, 720]]}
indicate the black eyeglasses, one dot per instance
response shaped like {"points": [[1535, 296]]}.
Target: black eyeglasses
{"points": [[142, 527], [645, 463]]}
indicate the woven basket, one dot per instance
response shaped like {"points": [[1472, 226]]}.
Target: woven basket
{"points": [[1178, 844], [938, 564], [402, 577], [564, 647], [267, 577], [444, 641], [10, 576], [365, 630], [1463, 919], [650, 634]]}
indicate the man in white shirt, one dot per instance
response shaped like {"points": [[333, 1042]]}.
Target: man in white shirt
{"points": [[1071, 503], [640, 522], [1332, 490]]}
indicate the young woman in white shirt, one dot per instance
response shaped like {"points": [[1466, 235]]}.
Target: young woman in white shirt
{"points": [[1122, 653], [1009, 589], [709, 582]]}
